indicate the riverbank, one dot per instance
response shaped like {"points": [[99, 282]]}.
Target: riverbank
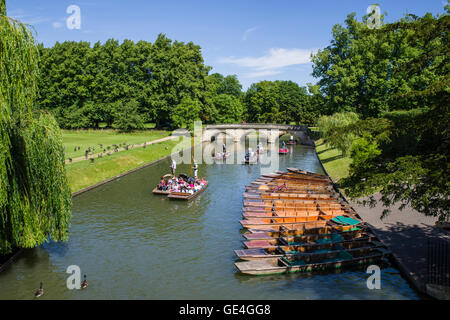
{"points": [[85, 174], [76, 142], [405, 232]]}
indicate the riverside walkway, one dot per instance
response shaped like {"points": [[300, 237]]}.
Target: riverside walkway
{"points": [[138, 145], [406, 233]]}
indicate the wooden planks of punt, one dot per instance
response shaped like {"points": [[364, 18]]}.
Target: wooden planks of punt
{"points": [[288, 216]]}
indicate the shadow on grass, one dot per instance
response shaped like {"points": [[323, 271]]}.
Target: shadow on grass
{"points": [[324, 150], [332, 159]]}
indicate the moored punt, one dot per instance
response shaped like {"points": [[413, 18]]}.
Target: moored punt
{"points": [[276, 226], [304, 228], [298, 213], [307, 249], [281, 213], [323, 220], [186, 195], [307, 239], [314, 232], [270, 202], [309, 263]]}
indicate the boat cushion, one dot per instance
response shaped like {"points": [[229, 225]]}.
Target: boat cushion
{"points": [[346, 220]]}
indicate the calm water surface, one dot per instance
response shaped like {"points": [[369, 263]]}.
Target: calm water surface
{"points": [[135, 245]]}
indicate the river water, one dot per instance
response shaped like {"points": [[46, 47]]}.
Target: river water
{"points": [[132, 244]]}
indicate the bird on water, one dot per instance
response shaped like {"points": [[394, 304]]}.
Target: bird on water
{"points": [[84, 284], [39, 292]]}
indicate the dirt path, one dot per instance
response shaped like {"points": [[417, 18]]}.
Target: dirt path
{"points": [[138, 145]]}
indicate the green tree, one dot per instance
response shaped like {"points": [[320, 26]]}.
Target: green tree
{"points": [[126, 116], [35, 199], [330, 127], [262, 103], [293, 103], [229, 107], [186, 113], [397, 78]]}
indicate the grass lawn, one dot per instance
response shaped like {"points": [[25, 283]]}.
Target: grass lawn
{"points": [[92, 138], [336, 166], [84, 173]]}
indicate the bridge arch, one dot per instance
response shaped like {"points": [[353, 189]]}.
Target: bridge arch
{"points": [[271, 132]]}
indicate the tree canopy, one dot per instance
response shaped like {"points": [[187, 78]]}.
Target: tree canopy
{"points": [[35, 199], [396, 78]]}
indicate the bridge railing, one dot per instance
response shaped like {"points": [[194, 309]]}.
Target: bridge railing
{"points": [[258, 126]]}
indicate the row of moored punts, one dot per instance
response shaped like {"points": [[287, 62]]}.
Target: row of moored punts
{"points": [[297, 222]]}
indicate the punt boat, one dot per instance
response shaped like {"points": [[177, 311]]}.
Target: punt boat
{"points": [[307, 249], [308, 263], [186, 195]]}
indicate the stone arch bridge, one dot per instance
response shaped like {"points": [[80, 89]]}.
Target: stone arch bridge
{"points": [[270, 132]]}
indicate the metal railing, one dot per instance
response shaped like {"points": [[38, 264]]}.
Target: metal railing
{"points": [[438, 262]]}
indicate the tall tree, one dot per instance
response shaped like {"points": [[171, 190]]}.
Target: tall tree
{"points": [[404, 154], [35, 199]]}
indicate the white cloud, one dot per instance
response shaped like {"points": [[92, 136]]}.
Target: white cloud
{"points": [[247, 33], [57, 24], [271, 63], [258, 74]]}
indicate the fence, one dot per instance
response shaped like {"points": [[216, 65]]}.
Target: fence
{"points": [[439, 262]]}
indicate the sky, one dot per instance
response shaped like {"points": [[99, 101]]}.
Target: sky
{"points": [[253, 39]]}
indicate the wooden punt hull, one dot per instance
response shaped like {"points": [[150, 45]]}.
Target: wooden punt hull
{"points": [[303, 228], [269, 203], [303, 239], [307, 249], [186, 196], [288, 196], [279, 266], [276, 226], [156, 191], [313, 232], [276, 213]]}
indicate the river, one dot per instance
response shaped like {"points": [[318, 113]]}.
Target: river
{"points": [[132, 244]]}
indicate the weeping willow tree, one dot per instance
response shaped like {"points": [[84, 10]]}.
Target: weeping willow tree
{"points": [[35, 198]]}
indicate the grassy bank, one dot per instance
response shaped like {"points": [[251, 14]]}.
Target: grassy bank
{"points": [[93, 138], [84, 173], [336, 166]]}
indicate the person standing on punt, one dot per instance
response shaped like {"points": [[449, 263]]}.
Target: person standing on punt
{"points": [[195, 170], [173, 167]]}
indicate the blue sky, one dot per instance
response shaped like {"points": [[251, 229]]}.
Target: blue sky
{"points": [[254, 39]]}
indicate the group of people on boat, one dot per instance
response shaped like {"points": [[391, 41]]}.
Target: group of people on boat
{"points": [[181, 184]]}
